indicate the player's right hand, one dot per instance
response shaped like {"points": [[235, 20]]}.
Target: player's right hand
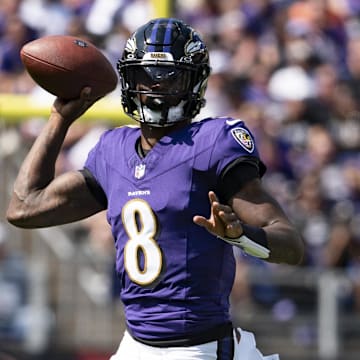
{"points": [[70, 110]]}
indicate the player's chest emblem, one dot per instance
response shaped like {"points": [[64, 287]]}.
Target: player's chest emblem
{"points": [[243, 137], [139, 171]]}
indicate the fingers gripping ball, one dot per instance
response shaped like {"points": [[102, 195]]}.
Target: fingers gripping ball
{"points": [[63, 65]]}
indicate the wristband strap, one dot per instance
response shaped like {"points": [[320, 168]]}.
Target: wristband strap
{"points": [[256, 234], [253, 242]]}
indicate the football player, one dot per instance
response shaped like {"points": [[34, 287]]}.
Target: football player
{"points": [[179, 195]]}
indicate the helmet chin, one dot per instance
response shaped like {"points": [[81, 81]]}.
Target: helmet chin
{"points": [[167, 116]]}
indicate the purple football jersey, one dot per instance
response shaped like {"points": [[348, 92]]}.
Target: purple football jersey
{"points": [[175, 276]]}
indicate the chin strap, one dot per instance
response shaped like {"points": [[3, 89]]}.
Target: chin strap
{"points": [[253, 241]]}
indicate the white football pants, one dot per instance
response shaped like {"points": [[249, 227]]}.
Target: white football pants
{"points": [[130, 349]]}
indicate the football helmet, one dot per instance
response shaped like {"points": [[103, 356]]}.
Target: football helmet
{"points": [[163, 73]]}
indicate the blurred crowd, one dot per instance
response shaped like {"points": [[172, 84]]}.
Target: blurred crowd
{"points": [[289, 68]]}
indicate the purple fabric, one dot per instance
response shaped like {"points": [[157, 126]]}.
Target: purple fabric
{"points": [[191, 293]]}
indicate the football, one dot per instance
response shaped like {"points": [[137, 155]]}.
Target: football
{"points": [[63, 65]]}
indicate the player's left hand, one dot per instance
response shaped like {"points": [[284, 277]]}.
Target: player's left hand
{"points": [[222, 222]]}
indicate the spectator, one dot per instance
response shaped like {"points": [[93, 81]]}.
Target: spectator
{"points": [[15, 35]]}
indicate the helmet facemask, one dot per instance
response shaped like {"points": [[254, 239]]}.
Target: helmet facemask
{"points": [[162, 93]]}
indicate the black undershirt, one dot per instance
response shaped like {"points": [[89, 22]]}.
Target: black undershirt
{"points": [[94, 187], [140, 150], [237, 174]]}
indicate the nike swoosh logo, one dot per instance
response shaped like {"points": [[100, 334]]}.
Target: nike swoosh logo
{"points": [[233, 122]]}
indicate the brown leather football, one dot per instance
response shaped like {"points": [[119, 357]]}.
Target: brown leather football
{"points": [[63, 65]]}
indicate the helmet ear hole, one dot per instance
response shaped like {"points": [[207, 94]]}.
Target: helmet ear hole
{"points": [[166, 60]]}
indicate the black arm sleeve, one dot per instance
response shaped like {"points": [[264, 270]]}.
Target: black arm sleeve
{"points": [[237, 174], [94, 187]]}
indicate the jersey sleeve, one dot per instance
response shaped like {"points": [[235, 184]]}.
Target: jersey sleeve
{"points": [[234, 144], [94, 187], [96, 164], [235, 178]]}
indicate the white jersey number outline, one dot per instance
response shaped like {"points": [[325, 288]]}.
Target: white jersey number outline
{"points": [[141, 227]]}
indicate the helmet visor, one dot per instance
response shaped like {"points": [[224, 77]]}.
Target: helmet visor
{"points": [[159, 79]]}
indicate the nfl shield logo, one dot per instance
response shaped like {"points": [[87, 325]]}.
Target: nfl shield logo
{"points": [[139, 171]]}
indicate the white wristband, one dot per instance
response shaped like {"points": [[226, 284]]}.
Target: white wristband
{"points": [[249, 246]]}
